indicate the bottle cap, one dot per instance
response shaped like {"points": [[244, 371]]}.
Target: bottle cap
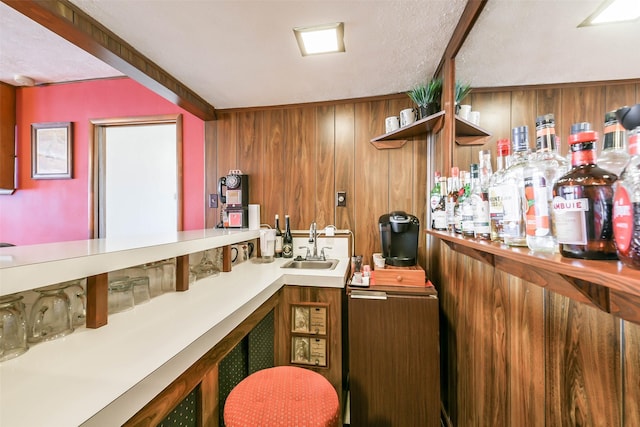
{"points": [[455, 171], [520, 138], [586, 136], [545, 120], [580, 127], [474, 167], [503, 147], [610, 118]]}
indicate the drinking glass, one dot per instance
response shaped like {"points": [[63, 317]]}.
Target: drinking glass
{"points": [[77, 301], [120, 294], [13, 327], [50, 316], [140, 289], [205, 267]]}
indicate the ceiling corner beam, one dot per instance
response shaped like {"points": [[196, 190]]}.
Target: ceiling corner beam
{"points": [[71, 23]]}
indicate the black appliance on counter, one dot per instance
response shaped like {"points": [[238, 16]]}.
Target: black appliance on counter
{"points": [[235, 211], [399, 237]]}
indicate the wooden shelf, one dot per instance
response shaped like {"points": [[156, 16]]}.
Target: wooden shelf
{"points": [[469, 134], [607, 285], [466, 132], [398, 138]]}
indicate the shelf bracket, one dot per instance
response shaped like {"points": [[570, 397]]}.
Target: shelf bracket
{"points": [[385, 145], [624, 305], [481, 256]]}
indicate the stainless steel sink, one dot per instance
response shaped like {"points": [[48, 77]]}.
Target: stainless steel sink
{"points": [[329, 264]]}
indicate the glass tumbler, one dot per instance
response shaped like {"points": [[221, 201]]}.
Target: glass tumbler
{"points": [[13, 327], [168, 275], [50, 316], [120, 294], [205, 267], [78, 301], [141, 292]]}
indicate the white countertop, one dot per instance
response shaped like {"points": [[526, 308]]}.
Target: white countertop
{"points": [[104, 376]]}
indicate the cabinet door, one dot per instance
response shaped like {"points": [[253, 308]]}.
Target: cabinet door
{"points": [[394, 361], [7, 136]]}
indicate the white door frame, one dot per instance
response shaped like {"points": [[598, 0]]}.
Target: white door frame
{"points": [[97, 165]]}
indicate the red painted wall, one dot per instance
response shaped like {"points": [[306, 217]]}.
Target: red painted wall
{"points": [[42, 211]]}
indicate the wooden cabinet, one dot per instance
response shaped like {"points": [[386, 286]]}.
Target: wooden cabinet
{"points": [[7, 138], [309, 331], [394, 373]]}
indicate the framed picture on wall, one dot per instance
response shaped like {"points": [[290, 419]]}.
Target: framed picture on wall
{"points": [[51, 150]]}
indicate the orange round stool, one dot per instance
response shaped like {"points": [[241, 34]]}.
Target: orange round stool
{"points": [[284, 396]]}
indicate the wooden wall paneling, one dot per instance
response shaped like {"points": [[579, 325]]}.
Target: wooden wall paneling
{"points": [[582, 365], [550, 101], [631, 372], [211, 216], [272, 202], [523, 113], [419, 197], [582, 104], [344, 164], [250, 152], [495, 114], [299, 165], [227, 146], [401, 171], [7, 136], [325, 166], [525, 352], [618, 95], [371, 177], [447, 287]]}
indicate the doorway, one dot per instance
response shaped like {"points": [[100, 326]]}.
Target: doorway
{"points": [[136, 176]]}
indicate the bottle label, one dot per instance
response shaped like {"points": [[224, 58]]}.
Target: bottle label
{"points": [[466, 222], [435, 199], [570, 221], [510, 199], [287, 250], [622, 219], [439, 220], [278, 244], [481, 216], [449, 211], [537, 214]]}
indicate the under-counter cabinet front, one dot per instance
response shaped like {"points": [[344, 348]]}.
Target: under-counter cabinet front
{"points": [[394, 361], [309, 331]]}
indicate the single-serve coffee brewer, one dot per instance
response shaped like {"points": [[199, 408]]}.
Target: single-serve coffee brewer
{"points": [[399, 237]]}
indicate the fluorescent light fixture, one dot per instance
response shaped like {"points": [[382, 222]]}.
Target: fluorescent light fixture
{"points": [[612, 11], [328, 38]]}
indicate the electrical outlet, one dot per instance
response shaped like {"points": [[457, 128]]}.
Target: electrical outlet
{"points": [[341, 198], [213, 200]]}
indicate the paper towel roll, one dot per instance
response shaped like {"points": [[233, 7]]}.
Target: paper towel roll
{"points": [[254, 217]]}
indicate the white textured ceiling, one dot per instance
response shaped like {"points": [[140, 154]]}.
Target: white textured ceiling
{"points": [[243, 53], [522, 42]]}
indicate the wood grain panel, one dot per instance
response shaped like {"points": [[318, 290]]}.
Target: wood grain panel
{"points": [[371, 177], [631, 371], [523, 113], [282, 344], [618, 95], [209, 399], [7, 135], [299, 165], [419, 196], [582, 104], [344, 164], [550, 101], [211, 217], [250, 152], [325, 166], [227, 148], [582, 365], [272, 202], [525, 354], [401, 172]]}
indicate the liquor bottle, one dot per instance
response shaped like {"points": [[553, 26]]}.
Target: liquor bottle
{"points": [[480, 197], [626, 206], [434, 196], [583, 203], [513, 221], [496, 190], [287, 239], [614, 156], [439, 216], [540, 175], [467, 204], [452, 197], [278, 238], [463, 192]]}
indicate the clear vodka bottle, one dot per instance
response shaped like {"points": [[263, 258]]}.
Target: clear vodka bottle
{"points": [[497, 189], [614, 156], [513, 191]]}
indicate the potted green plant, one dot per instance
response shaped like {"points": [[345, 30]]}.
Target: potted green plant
{"points": [[427, 97], [462, 90]]}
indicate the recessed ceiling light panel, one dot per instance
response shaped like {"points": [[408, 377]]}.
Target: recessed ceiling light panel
{"points": [[613, 11], [328, 38]]}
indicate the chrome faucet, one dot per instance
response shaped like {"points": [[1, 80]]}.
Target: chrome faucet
{"points": [[312, 255]]}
